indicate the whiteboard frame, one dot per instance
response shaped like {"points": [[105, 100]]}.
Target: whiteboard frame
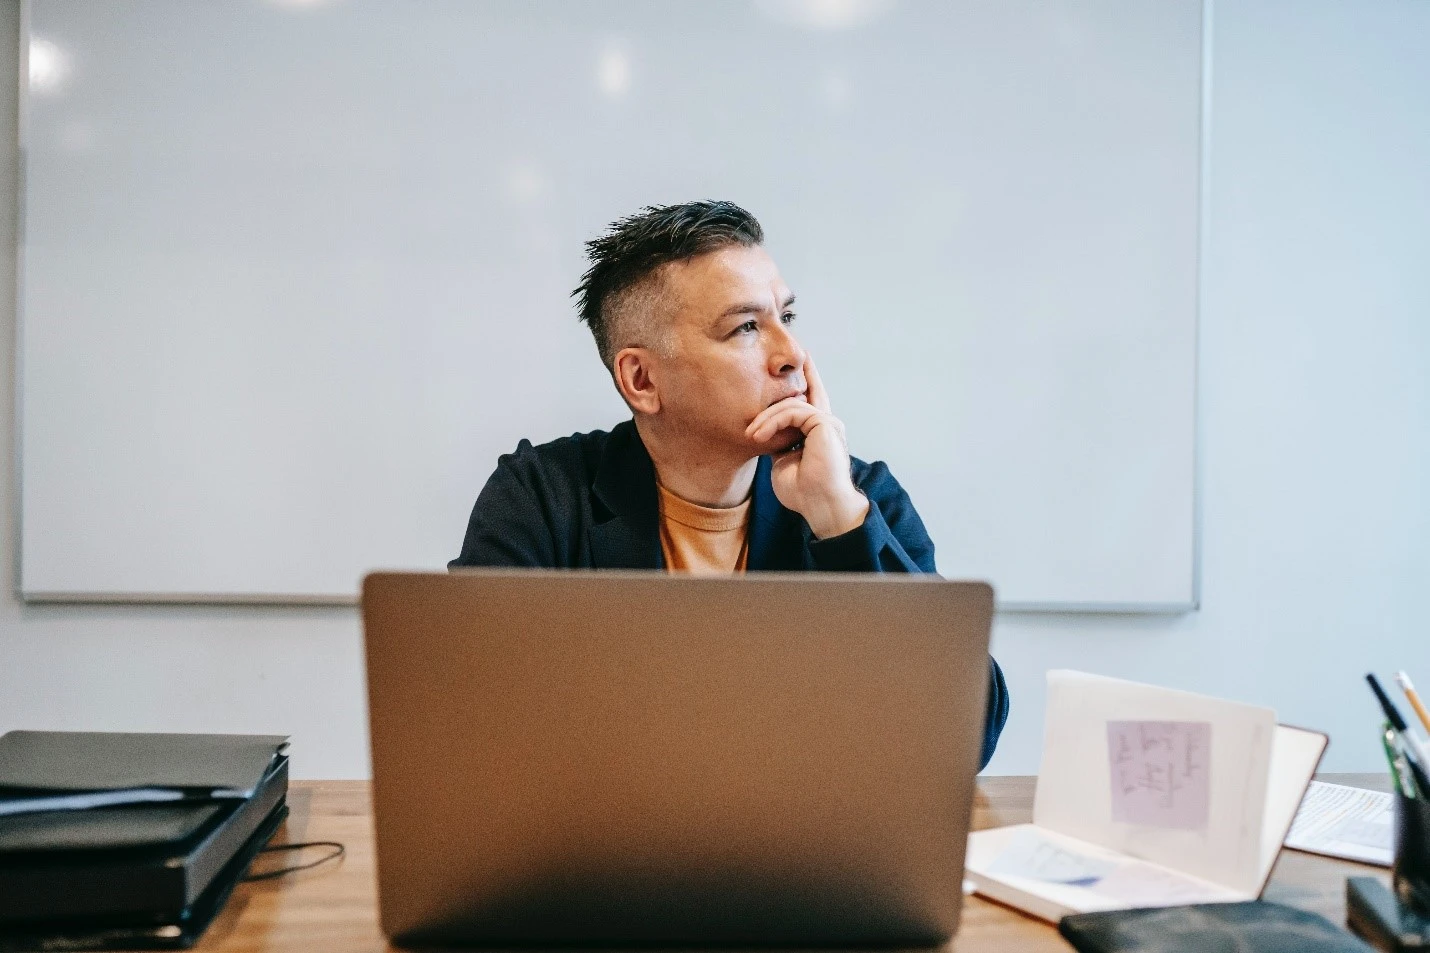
{"points": [[45, 597]]}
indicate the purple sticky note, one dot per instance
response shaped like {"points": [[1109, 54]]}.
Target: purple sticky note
{"points": [[1161, 772]]}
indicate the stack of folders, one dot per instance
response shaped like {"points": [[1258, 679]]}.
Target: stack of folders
{"points": [[111, 840]]}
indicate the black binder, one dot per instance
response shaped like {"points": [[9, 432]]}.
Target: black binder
{"points": [[59, 764], [148, 861], [139, 932]]}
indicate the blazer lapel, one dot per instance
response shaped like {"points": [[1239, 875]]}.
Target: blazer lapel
{"points": [[626, 531], [777, 535]]}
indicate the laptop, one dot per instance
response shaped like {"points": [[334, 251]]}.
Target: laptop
{"points": [[597, 758]]}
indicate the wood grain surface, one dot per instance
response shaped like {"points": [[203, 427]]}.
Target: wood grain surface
{"points": [[334, 907]]}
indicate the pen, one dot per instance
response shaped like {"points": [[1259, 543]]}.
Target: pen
{"points": [[1403, 681], [1392, 714], [1409, 748]]}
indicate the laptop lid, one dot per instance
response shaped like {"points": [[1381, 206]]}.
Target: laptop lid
{"points": [[611, 757]]}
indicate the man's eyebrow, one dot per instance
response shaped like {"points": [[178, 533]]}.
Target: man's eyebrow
{"points": [[744, 307], [752, 307]]}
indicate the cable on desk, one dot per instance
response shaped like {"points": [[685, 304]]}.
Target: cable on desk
{"points": [[337, 852]]}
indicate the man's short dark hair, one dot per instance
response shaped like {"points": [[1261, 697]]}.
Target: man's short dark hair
{"points": [[633, 248]]}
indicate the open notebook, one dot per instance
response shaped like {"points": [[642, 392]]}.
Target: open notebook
{"points": [[1147, 797]]}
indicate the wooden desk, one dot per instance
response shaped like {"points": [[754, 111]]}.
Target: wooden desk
{"points": [[334, 907]]}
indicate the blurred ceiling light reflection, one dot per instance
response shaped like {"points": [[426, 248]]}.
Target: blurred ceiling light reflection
{"points": [[613, 72], [525, 183], [824, 14], [49, 66]]}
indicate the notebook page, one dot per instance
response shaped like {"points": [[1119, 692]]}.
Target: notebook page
{"points": [[1171, 777]]}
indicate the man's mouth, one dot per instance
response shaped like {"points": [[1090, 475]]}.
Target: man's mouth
{"points": [[798, 393]]}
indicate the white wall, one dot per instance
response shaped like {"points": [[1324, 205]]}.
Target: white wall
{"points": [[1315, 453]]}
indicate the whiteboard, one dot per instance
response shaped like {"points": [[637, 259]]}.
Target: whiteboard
{"points": [[294, 274]]}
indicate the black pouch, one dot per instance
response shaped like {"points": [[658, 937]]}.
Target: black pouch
{"points": [[1208, 928]]}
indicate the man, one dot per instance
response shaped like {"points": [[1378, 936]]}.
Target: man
{"points": [[733, 460]]}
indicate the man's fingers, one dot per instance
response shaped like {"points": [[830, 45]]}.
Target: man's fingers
{"points": [[800, 415], [775, 408], [815, 391]]}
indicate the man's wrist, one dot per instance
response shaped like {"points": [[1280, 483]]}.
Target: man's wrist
{"points": [[844, 515]]}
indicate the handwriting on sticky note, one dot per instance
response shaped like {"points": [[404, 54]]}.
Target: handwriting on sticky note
{"points": [[1161, 772]]}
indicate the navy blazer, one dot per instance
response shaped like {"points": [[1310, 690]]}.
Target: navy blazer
{"points": [[589, 501]]}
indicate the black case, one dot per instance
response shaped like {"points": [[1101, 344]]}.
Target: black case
{"points": [[66, 874], [1372, 911], [1197, 928], [180, 931]]}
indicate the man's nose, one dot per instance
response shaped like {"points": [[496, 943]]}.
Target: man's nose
{"points": [[786, 355]]}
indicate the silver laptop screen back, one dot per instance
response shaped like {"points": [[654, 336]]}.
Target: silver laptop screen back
{"points": [[572, 757]]}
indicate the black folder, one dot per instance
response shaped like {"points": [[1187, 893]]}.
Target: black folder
{"points": [[148, 861], [179, 931], [56, 764]]}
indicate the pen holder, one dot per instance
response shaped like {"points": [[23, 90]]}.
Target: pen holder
{"points": [[1411, 872], [1399, 921]]}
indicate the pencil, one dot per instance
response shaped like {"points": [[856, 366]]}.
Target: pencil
{"points": [[1403, 681]]}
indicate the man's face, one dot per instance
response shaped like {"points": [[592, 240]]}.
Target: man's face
{"points": [[731, 349]]}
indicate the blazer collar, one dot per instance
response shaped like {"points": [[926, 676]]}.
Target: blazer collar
{"points": [[626, 532]]}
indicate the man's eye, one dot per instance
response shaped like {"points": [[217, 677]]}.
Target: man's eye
{"points": [[788, 317], [747, 326]]}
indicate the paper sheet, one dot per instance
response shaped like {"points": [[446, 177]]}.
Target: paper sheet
{"points": [[1146, 885], [85, 800], [1346, 822], [1037, 858], [1109, 882]]}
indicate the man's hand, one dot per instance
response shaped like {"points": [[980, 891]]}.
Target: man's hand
{"points": [[812, 477]]}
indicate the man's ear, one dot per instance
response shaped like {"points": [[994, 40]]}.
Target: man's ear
{"points": [[634, 371]]}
